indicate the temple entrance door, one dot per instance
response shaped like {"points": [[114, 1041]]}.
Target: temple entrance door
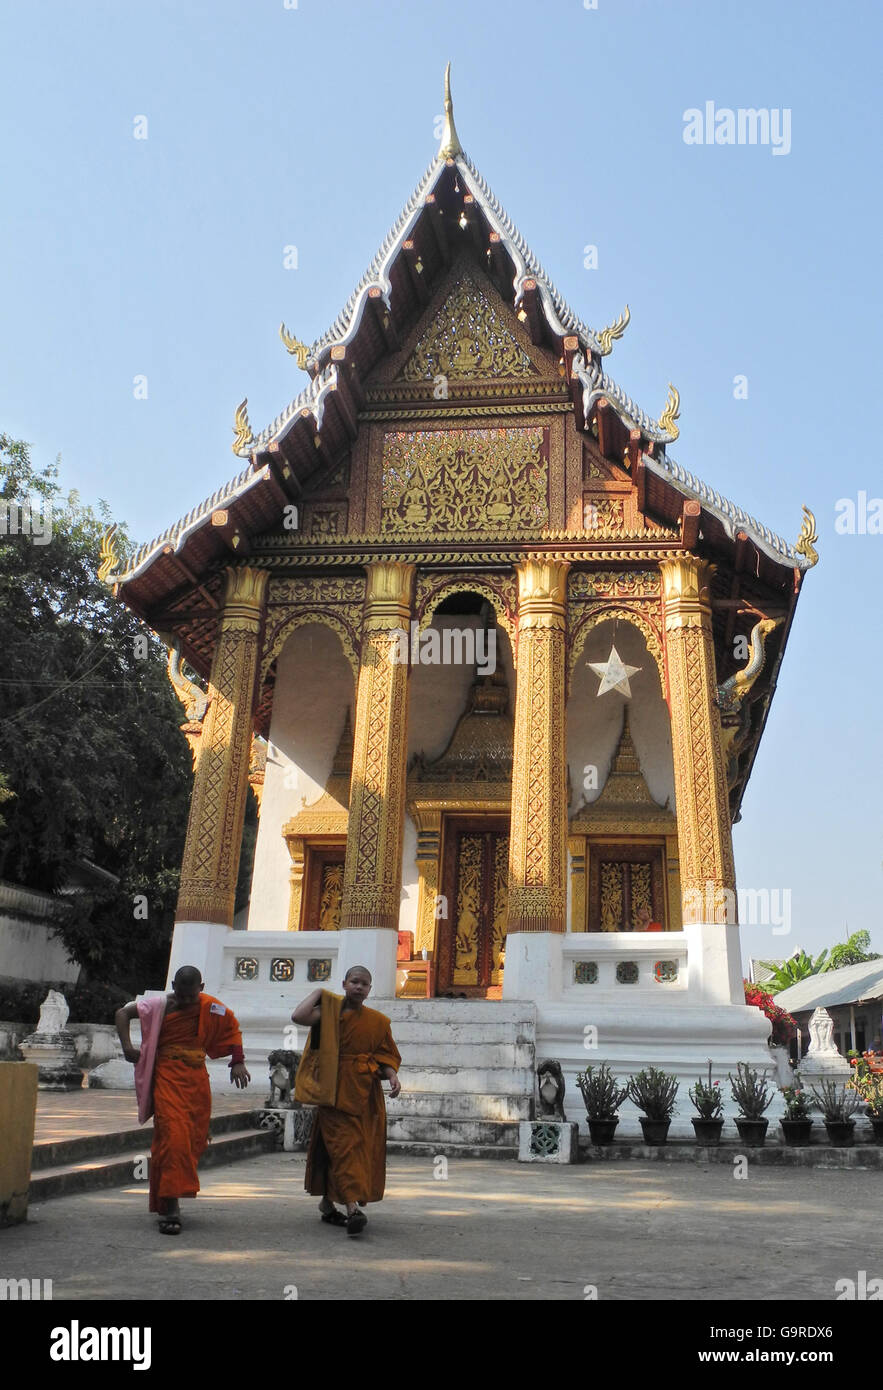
{"points": [[472, 940]]}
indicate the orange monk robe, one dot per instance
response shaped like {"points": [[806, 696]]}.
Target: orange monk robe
{"points": [[182, 1095], [347, 1156]]}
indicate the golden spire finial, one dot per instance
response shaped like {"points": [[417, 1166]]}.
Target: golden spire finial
{"points": [[450, 145]]}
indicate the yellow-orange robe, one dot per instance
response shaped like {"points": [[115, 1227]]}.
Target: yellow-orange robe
{"points": [[346, 1161], [182, 1095]]}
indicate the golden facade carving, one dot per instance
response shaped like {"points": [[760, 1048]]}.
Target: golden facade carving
{"points": [[336, 603], [611, 896], [537, 887], [468, 338], [704, 834], [500, 901], [217, 807], [332, 897], [500, 590], [588, 584], [373, 870], [465, 480], [469, 890]]}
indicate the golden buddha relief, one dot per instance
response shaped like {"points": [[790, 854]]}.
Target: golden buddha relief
{"points": [[465, 480], [469, 337]]}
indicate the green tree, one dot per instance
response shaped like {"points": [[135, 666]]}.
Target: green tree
{"points": [[853, 951], [90, 744], [799, 967]]}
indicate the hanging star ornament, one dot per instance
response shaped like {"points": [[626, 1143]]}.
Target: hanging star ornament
{"points": [[614, 674]]}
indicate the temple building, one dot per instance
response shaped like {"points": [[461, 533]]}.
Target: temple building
{"points": [[497, 668]]}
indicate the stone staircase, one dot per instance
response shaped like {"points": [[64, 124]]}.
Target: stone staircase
{"points": [[93, 1161], [467, 1073]]}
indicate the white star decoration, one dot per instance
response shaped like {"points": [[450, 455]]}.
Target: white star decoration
{"points": [[614, 675]]}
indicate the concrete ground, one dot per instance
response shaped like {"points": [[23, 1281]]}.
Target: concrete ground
{"points": [[488, 1231], [73, 1114]]}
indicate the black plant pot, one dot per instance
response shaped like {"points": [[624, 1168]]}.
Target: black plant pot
{"points": [[752, 1132], [655, 1131], [796, 1131], [877, 1127], [841, 1132], [602, 1131], [708, 1132]]}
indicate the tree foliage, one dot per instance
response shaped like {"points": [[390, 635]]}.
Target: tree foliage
{"points": [[854, 951], [90, 745], [800, 966]]}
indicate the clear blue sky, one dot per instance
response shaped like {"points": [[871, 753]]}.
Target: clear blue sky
{"points": [[310, 126]]}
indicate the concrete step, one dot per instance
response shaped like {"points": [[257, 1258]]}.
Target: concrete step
{"points": [[504, 1081], [467, 1054], [137, 1139], [409, 1031], [456, 1105], [456, 1010], [117, 1169], [432, 1151], [430, 1129]]}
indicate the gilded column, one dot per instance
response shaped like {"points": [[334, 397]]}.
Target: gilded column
{"points": [[705, 841], [220, 787], [372, 880], [538, 835]]}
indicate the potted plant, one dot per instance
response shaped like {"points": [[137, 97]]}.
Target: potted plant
{"points": [[707, 1125], [752, 1094], [653, 1092], [838, 1107], [602, 1098], [797, 1123], [868, 1085]]}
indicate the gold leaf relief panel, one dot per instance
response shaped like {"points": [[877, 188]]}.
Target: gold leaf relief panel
{"points": [[465, 480], [468, 338], [500, 909], [468, 910]]}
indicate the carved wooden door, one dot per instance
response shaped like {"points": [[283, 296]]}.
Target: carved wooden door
{"points": [[472, 941], [623, 879]]}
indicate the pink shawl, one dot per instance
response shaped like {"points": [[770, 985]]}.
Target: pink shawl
{"points": [[151, 1012]]}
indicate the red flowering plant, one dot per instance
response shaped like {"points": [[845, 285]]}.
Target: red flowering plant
{"points": [[867, 1081], [784, 1026]]}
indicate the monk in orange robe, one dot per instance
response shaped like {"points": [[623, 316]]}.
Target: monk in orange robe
{"points": [[350, 1049], [178, 1031]]}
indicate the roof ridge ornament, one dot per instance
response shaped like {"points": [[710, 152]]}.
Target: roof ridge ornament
{"points": [[241, 428], [107, 554], [450, 145], [295, 347], [808, 534], [608, 336], [671, 413]]}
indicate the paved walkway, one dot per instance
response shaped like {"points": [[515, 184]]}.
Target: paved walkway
{"points": [[490, 1231], [73, 1114]]}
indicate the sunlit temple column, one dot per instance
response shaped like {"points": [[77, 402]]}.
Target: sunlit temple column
{"points": [[705, 842], [217, 806], [372, 880], [538, 832]]}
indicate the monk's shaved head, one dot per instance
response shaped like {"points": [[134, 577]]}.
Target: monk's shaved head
{"points": [[187, 978], [356, 969]]}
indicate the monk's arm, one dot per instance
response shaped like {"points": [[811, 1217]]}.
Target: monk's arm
{"points": [[122, 1019], [309, 1010]]}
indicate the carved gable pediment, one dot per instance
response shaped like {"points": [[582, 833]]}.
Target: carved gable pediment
{"points": [[469, 337]]}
